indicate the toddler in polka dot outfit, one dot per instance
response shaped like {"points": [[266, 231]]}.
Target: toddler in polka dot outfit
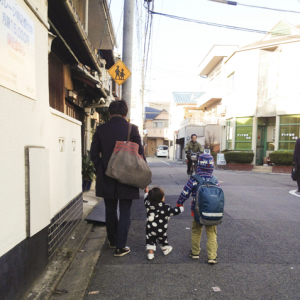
{"points": [[158, 215]]}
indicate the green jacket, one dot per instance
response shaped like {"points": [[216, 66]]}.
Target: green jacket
{"points": [[194, 147]]}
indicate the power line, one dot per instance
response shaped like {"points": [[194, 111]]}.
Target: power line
{"points": [[269, 8], [208, 23]]}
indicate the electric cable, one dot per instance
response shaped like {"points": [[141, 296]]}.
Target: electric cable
{"points": [[208, 23], [269, 8]]}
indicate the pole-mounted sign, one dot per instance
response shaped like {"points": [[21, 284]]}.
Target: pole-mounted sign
{"points": [[119, 72]]}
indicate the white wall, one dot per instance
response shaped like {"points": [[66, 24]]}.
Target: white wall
{"points": [[242, 101], [65, 167], [288, 79], [27, 122]]}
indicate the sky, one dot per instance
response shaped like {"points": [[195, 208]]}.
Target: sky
{"points": [[177, 47]]}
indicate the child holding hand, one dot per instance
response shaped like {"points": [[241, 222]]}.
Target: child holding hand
{"points": [[158, 215]]}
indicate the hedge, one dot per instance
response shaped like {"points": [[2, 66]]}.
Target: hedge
{"points": [[239, 157], [282, 158]]}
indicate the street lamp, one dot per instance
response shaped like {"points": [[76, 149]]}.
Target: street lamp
{"points": [[225, 2]]}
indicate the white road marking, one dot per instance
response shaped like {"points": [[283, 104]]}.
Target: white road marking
{"points": [[165, 162], [293, 192]]}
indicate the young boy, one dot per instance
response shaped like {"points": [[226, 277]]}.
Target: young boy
{"points": [[205, 169]]}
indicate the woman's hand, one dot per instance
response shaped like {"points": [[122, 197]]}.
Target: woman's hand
{"points": [[146, 190]]}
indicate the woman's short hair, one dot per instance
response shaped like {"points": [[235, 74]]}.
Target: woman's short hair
{"points": [[118, 107]]}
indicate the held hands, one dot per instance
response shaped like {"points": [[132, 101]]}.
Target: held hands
{"points": [[146, 190]]}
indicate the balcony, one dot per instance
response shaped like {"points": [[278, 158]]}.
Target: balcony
{"points": [[213, 94], [200, 122], [158, 132]]}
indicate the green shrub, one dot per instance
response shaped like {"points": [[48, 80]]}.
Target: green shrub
{"points": [[282, 158], [239, 157]]}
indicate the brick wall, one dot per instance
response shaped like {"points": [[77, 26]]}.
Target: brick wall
{"points": [[239, 167]]}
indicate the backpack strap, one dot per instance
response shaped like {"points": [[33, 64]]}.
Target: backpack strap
{"points": [[213, 179], [198, 178]]}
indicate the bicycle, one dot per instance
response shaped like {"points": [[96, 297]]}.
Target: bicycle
{"points": [[194, 158]]}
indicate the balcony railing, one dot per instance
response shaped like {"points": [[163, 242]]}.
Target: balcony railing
{"points": [[157, 132], [197, 121]]}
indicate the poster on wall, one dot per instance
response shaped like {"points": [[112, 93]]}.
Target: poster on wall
{"points": [[17, 49], [267, 83]]}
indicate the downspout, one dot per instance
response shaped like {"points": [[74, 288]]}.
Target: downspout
{"points": [[82, 33]]}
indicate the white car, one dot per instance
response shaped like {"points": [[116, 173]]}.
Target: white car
{"points": [[162, 151]]}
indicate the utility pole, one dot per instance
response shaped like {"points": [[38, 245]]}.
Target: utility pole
{"points": [[127, 50]]}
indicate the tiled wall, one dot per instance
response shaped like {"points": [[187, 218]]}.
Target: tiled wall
{"points": [[63, 224]]}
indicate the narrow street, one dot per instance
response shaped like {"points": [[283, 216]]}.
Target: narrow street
{"points": [[258, 245]]}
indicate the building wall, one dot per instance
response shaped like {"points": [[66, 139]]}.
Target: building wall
{"points": [[288, 79], [25, 122], [242, 101]]}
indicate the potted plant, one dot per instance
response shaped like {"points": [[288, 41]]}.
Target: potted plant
{"points": [[88, 173]]}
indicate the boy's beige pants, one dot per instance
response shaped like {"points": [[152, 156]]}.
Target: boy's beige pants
{"points": [[212, 245]]}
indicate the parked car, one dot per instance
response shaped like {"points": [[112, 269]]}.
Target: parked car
{"points": [[162, 151]]}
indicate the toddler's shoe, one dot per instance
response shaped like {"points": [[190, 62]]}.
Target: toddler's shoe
{"points": [[150, 256], [167, 250]]}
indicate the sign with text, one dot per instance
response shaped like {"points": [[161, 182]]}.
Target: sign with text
{"points": [[119, 72], [17, 49], [221, 159]]}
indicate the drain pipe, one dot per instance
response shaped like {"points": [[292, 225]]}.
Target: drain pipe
{"points": [[79, 28]]}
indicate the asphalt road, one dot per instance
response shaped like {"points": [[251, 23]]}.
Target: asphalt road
{"points": [[259, 245]]}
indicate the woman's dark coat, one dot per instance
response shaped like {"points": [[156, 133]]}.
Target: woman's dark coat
{"points": [[297, 152], [104, 140]]}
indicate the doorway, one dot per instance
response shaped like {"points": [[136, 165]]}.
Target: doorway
{"points": [[265, 142], [151, 147], [260, 144]]}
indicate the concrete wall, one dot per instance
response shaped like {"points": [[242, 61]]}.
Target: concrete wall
{"points": [[288, 79], [26, 122], [242, 101]]}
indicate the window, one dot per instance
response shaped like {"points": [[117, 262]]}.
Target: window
{"points": [[158, 124], [230, 83], [243, 136], [56, 83], [229, 134], [289, 132], [163, 148]]}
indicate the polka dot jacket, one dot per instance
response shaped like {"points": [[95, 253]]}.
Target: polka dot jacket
{"points": [[157, 219]]}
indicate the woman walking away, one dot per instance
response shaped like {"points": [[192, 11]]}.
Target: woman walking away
{"points": [[114, 192], [297, 161]]}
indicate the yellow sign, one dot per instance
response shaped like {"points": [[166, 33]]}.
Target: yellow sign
{"points": [[119, 72]]}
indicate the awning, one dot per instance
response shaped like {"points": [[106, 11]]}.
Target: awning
{"points": [[67, 22]]}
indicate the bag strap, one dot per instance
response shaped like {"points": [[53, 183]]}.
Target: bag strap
{"points": [[129, 131], [198, 178], [213, 179]]}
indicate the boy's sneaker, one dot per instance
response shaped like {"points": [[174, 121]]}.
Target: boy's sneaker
{"points": [[167, 250], [213, 261], [122, 251], [150, 256], [194, 256]]}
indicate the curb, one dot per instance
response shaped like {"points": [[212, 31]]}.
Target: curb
{"points": [[63, 272]]}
